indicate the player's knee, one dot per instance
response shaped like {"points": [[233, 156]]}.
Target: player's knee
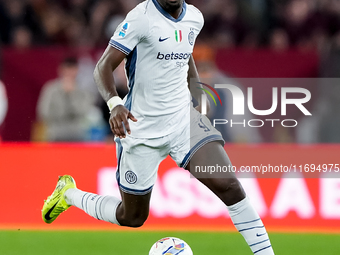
{"points": [[133, 220], [136, 222], [229, 190], [234, 186], [228, 185]]}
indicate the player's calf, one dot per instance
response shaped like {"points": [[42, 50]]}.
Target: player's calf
{"points": [[129, 220], [134, 210]]}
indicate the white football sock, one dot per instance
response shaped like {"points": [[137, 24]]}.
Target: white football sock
{"points": [[249, 224], [99, 207]]}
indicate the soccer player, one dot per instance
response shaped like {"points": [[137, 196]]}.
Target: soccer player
{"points": [[157, 119]]}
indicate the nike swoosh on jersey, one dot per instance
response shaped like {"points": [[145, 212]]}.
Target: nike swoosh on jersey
{"points": [[162, 40], [257, 234], [47, 216]]}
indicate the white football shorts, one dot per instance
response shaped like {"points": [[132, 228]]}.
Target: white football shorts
{"points": [[138, 159]]}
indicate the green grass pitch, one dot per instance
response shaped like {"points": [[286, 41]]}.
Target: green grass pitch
{"points": [[25, 242]]}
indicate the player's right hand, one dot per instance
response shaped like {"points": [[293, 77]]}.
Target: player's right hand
{"points": [[118, 119]]}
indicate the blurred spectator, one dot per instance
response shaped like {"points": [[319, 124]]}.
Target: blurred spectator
{"points": [[296, 21], [329, 100], [329, 121], [22, 38], [326, 118], [306, 24], [54, 21], [324, 125], [3, 103], [16, 13], [279, 40], [224, 24], [64, 108]]}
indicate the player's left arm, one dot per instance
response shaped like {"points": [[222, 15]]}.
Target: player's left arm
{"points": [[194, 86]]}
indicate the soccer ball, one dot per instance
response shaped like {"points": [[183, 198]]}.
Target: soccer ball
{"points": [[170, 246]]}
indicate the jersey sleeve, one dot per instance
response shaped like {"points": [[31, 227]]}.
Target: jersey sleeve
{"points": [[200, 18], [130, 32]]}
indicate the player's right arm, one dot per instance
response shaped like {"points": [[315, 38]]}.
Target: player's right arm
{"points": [[103, 77], [126, 37]]}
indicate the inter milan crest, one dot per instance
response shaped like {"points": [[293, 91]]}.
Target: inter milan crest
{"points": [[191, 38], [130, 177]]}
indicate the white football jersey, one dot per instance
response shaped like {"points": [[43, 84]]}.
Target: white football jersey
{"points": [[158, 48]]}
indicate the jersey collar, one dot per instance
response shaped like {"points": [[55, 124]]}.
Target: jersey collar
{"points": [[167, 15]]}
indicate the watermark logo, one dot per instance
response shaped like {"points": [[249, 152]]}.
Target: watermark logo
{"points": [[204, 99], [239, 99]]}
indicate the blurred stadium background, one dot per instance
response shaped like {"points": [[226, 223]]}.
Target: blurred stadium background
{"points": [[248, 39]]}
